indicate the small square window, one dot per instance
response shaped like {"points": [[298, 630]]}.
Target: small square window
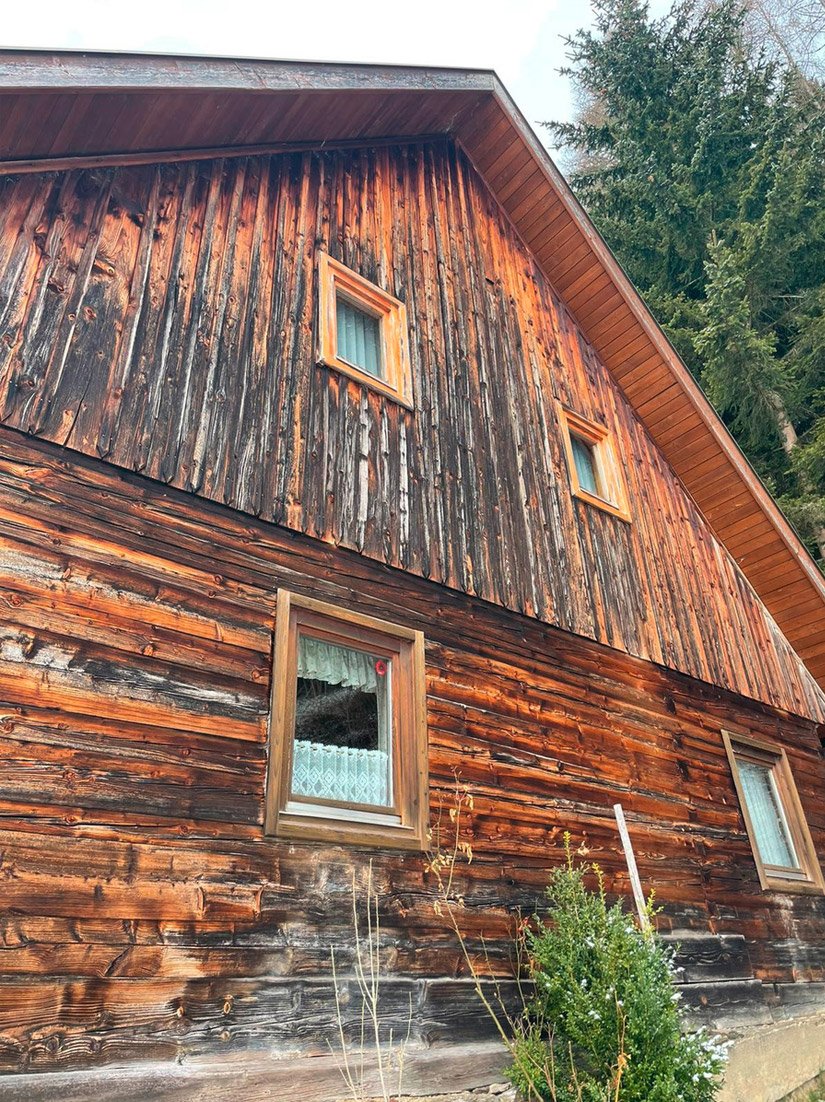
{"points": [[362, 331], [348, 740], [359, 338], [774, 819], [595, 475]]}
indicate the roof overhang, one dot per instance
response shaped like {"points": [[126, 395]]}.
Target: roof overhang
{"points": [[58, 109]]}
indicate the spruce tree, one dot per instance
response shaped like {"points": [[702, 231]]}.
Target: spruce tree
{"points": [[701, 158]]}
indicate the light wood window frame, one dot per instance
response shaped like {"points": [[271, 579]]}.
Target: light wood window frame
{"points": [[808, 876], [612, 495], [334, 280], [405, 824]]}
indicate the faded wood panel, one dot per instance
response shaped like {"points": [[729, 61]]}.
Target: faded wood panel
{"points": [[136, 881], [163, 318], [314, 1078]]}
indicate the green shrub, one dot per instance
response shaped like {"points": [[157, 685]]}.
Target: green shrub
{"points": [[604, 1025]]}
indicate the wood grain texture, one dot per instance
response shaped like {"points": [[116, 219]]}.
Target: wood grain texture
{"points": [[66, 110], [314, 1078], [144, 913], [164, 318]]}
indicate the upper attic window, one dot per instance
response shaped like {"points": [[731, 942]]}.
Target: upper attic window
{"points": [[595, 475], [362, 331], [359, 338], [585, 461]]}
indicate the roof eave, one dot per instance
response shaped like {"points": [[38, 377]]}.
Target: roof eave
{"points": [[473, 106]]}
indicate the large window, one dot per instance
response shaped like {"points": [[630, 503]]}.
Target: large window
{"points": [[348, 746], [595, 474], [779, 835], [362, 331]]}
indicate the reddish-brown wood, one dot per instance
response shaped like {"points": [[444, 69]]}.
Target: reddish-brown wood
{"points": [[165, 319], [110, 108], [173, 455], [145, 913]]}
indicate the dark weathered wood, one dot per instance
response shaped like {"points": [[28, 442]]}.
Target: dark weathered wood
{"points": [[99, 106], [727, 1004], [443, 1069], [701, 957], [175, 156], [144, 913], [164, 318]]}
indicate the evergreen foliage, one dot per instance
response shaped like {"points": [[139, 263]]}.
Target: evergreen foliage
{"points": [[605, 1024], [701, 158]]}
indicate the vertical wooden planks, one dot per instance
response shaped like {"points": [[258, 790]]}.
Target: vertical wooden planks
{"points": [[164, 317]]}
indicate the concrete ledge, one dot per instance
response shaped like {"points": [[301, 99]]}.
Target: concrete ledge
{"points": [[770, 1062]]}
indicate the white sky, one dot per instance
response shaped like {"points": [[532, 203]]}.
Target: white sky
{"points": [[520, 39]]}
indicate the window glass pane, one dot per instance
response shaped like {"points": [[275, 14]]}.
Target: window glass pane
{"points": [[585, 465], [772, 838], [359, 337], [342, 749]]}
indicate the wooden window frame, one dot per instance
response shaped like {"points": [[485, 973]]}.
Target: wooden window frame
{"points": [[405, 824], [335, 279], [612, 497], [808, 877]]}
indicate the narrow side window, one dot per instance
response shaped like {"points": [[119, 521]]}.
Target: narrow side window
{"points": [[774, 819], [348, 740]]}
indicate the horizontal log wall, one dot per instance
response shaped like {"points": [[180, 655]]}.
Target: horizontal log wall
{"points": [[143, 912], [164, 318]]}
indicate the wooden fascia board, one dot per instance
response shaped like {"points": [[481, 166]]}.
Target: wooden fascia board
{"points": [[207, 153], [115, 71]]}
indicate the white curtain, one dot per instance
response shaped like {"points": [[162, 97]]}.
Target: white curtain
{"points": [[344, 773], [359, 338], [340, 773], [337, 665], [772, 839]]}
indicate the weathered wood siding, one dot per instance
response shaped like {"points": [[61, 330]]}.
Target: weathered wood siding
{"points": [[144, 914], [163, 318]]}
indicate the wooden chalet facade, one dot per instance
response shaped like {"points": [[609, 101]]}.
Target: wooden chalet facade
{"points": [[499, 485]]}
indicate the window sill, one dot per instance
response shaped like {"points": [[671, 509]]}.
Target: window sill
{"points": [[791, 886], [600, 503], [326, 812], [387, 833], [365, 379]]}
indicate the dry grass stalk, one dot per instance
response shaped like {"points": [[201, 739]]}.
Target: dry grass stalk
{"points": [[383, 1055]]}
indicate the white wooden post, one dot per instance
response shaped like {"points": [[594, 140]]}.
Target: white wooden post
{"points": [[630, 857]]}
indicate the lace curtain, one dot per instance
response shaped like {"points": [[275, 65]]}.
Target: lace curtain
{"points": [[337, 665], [343, 773]]}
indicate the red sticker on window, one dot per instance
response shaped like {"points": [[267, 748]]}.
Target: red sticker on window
{"points": [[381, 667]]}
